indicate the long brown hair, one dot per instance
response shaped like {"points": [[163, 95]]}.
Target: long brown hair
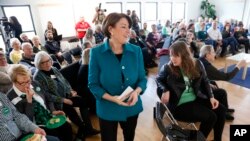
{"points": [[188, 66]]}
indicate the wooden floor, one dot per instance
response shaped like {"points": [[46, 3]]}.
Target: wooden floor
{"points": [[147, 130]]}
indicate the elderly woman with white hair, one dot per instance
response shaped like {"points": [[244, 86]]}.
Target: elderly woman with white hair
{"points": [[61, 94], [37, 44], [16, 53], [207, 55]]}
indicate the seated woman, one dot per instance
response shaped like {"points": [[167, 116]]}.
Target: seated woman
{"points": [[60, 93], [154, 39], [16, 53], [187, 92], [230, 40], [37, 44], [241, 36], [207, 55], [29, 99], [14, 125]]}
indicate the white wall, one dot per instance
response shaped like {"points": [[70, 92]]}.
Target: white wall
{"points": [[65, 13], [246, 16], [229, 9]]}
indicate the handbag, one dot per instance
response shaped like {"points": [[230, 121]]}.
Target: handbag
{"points": [[176, 133]]}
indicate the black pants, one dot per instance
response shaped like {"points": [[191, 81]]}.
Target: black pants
{"points": [[200, 110], [244, 41], [221, 95], [85, 122], [64, 132], [109, 129]]}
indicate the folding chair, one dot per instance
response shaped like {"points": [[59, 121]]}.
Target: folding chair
{"points": [[164, 119]]}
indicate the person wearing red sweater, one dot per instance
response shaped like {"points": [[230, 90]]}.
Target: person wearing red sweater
{"points": [[81, 28]]}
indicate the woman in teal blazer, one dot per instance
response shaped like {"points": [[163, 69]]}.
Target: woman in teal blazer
{"points": [[115, 65]]}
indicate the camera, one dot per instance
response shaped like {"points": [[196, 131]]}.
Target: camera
{"points": [[5, 23], [100, 9]]}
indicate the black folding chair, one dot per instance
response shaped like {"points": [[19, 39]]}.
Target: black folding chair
{"points": [[165, 119]]}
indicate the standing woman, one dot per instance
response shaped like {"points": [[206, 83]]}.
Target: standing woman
{"points": [[16, 27], [125, 62], [50, 27], [187, 92]]}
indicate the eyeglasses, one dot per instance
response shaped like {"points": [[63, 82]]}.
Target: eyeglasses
{"points": [[23, 83], [45, 62]]}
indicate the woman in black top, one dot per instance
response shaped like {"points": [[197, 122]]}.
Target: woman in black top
{"points": [[16, 27], [187, 92]]}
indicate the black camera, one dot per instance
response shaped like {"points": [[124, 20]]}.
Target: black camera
{"points": [[6, 24], [100, 8], [4, 20]]}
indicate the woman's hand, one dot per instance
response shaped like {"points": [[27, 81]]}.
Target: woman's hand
{"points": [[165, 97], [73, 93], [214, 102], [58, 113], [40, 131], [133, 98], [29, 94], [119, 102], [67, 101]]}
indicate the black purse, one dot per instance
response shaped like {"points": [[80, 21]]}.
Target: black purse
{"points": [[176, 133]]}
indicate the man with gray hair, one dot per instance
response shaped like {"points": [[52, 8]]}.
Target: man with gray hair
{"points": [[207, 55], [28, 57]]}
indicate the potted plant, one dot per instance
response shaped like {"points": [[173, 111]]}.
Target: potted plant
{"points": [[207, 9]]}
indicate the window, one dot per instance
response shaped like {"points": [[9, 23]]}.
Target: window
{"points": [[178, 11], [116, 7], [150, 13], [134, 6], [165, 12], [24, 16]]}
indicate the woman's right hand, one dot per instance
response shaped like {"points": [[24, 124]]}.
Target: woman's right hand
{"points": [[165, 97], [119, 102], [67, 101]]}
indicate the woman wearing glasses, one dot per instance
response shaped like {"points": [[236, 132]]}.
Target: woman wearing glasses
{"points": [[29, 99], [61, 94]]}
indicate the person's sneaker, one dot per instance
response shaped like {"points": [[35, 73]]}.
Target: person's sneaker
{"points": [[230, 110], [229, 117]]}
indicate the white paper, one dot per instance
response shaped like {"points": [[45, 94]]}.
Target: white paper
{"points": [[126, 93]]}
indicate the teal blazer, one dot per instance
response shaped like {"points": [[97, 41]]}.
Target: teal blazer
{"points": [[105, 76]]}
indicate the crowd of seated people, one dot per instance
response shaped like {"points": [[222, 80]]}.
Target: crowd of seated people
{"points": [[61, 94]]}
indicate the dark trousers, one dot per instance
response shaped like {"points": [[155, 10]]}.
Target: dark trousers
{"points": [[200, 110], [85, 122], [245, 42], [109, 129], [64, 132], [221, 95]]}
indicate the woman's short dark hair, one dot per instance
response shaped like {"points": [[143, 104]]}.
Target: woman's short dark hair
{"points": [[111, 20]]}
